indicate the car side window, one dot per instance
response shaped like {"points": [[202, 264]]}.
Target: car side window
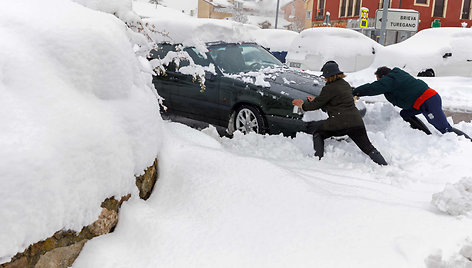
{"points": [[229, 58], [196, 56], [161, 52]]}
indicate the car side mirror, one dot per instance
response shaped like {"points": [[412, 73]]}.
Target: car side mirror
{"points": [[447, 55]]}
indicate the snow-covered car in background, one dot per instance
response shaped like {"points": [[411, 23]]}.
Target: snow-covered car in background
{"points": [[431, 52], [313, 47], [278, 41]]}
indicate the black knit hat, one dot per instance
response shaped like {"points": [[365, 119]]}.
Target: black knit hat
{"points": [[330, 68], [382, 71]]}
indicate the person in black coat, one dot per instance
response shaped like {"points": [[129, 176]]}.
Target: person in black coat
{"points": [[344, 118]]}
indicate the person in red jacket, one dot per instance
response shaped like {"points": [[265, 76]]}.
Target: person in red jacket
{"points": [[413, 95]]}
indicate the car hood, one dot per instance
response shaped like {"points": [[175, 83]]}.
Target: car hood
{"points": [[296, 84]]}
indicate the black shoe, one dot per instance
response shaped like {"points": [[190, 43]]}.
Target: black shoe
{"points": [[416, 123], [377, 157], [318, 144], [460, 133]]}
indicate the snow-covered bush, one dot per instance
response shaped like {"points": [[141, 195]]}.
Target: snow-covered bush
{"points": [[79, 114]]}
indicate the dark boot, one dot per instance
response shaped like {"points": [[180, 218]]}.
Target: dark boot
{"points": [[460, 133], [377, 157], [318, 144], [416, 123]]}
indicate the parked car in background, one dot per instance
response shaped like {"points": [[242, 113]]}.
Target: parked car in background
{"points": [[431, 52], [278, 41], [313, 47], [250, 90]]}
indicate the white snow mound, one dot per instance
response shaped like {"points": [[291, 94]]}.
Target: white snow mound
{"points": [[456, 199]]}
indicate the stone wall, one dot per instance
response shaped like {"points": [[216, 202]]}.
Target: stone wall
{"points": [[62, 248]]}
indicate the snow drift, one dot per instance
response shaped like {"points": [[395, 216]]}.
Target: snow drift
{"points": [[79, 118]]}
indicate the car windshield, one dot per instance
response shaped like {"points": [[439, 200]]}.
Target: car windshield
{"points": [[239, 58]]}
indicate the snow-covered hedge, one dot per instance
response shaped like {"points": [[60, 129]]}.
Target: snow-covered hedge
{"points": [[79, 116]]}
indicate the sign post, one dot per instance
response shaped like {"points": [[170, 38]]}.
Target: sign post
{"points": [[383, 29], [398, 20], [364, 17]]}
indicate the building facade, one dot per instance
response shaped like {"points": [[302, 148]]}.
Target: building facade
{"points": [[294, 12], [446, 13], [210, 9]]}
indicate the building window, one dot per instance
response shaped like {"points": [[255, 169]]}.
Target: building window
{"points": [[349, 8], [308, 15], [466, 10], [424, 2], [381, 4], [320, 11], [343, 9], [438, 8], [357, 9]]}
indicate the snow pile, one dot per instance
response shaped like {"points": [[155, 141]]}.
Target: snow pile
{"points": [[275, 39], [313, 47], [264, 201], [196, 32], [79, 117], [463, 259], [428, 48], [258, 78], [456, 199]]}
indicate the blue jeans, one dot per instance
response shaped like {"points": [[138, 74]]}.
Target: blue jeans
{"points": [[432, 110]]}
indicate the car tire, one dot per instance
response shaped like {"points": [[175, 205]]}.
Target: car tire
{"points": [[427, 73], [249, 119]]}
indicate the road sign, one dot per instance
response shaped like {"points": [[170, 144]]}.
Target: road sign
{"points": [[399, 20], [364, 17]]}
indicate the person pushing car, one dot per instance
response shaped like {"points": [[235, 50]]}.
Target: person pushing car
{"points": [[344, 118], [413, 95]]}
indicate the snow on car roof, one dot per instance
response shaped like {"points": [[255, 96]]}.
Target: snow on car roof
{"points": [[275, 39], [195, 32], [331, 40], [318, 45]]}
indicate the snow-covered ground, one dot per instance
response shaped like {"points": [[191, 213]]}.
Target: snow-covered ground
{"points": [[263, 201], [79, 120]]}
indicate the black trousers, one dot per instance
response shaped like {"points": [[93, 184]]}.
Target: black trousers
{"points": [[357, 134]]}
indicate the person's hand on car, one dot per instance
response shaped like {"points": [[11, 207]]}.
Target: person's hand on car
{"points": [[298, 102], [310, 98]]}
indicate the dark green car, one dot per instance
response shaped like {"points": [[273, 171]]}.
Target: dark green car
{"points": [[249, 90]]}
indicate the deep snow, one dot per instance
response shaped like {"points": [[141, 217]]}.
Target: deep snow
{"points": [[79, 118]]}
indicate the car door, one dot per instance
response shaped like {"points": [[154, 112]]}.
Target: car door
{"points": [[189, 99]]}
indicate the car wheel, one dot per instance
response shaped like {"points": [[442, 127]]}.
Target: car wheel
{"points": [[427, 73], [249, 119]]}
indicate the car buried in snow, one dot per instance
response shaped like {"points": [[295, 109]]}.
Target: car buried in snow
{"points": [[431, 52], [245, 89], [352, 50]]}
